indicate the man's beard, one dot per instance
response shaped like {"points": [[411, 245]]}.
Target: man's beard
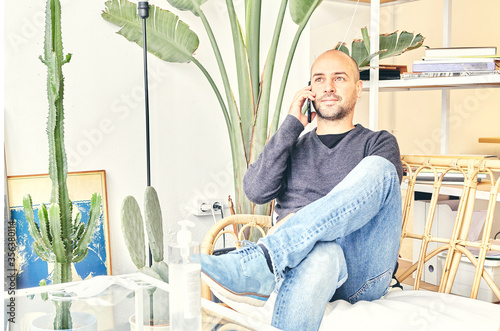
{"points": [[340, 110]]}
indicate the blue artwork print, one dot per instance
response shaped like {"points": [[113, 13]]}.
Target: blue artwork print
{"points": [[31, 268]]}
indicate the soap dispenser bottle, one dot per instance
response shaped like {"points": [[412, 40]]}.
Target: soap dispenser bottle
{"points": [[185, 281]]}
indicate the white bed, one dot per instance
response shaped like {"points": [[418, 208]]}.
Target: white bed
{"points": [[407, 310]]}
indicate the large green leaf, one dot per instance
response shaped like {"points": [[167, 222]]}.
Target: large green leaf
{"points": [[299, 9], [168, 38], [191, 5]]}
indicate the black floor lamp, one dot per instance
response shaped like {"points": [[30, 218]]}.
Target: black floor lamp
{"points": [[143, 9]]}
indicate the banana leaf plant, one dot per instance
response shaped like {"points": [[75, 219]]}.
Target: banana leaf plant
{"points": [[249, 121], [390, 44]]}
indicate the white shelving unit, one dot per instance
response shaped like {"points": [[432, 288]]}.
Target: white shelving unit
{"points": [[445, 84]]}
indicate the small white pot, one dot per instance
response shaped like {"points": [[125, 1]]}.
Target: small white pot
{"points": [[81, 322]]}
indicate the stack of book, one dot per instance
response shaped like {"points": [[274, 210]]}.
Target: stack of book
{"points": [[456, 62]]}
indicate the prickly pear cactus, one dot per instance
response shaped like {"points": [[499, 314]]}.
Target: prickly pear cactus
{"points": [[58, 238], [133, 233]]}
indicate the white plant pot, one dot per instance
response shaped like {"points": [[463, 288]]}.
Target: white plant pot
{"points": [[160, 327], [81, 322]]}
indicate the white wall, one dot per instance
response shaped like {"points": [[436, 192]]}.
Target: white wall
{"points": [[104, 109]]}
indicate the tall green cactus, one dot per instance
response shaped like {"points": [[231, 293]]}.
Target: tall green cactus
{"points": [[58, 238]]}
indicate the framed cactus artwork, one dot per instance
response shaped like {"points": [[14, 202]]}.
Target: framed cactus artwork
{"points": [[30, 269]]}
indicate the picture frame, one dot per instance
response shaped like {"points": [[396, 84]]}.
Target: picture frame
{"points": [[30, 269]]}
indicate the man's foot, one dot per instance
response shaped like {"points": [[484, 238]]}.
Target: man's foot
{"points": [[241, 275]]}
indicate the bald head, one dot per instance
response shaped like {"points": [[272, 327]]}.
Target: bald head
{"points": [[346, 62]]}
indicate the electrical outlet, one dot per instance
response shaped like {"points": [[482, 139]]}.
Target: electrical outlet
{"points": [[204, 206]]}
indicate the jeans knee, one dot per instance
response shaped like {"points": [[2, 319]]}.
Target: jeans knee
{"points": [[380, 164], [330, 257]]}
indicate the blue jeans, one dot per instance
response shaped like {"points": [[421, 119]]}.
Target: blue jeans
{"points": [[342, 246]]}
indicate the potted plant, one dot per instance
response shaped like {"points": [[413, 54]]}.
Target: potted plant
{"points": [[58, 238], [250, 123], [133, 233]]}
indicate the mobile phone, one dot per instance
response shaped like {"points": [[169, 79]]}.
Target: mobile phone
{"points": [[309, 107]]}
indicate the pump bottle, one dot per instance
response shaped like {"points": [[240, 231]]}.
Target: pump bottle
{"points": [[185, 281]]}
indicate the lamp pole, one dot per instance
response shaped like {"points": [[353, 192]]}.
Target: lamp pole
{"points": [[143, 9]]}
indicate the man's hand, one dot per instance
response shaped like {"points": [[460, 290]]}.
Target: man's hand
{"points": [[298, 102]]}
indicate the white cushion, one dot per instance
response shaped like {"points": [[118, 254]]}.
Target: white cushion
{"points": [[406, 310]]}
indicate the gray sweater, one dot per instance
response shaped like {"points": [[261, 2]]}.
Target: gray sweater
{"points": [[297, 171]]}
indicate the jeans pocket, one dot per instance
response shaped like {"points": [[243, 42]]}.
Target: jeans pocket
{"points": [[374, 288]]}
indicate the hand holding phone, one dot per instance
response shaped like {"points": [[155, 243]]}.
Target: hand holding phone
{"points": [[309, 115]]}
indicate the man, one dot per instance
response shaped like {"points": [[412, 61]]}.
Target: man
{"points": [[342, 182]]}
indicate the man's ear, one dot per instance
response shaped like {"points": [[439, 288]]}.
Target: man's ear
{"points": [[359, 88]]}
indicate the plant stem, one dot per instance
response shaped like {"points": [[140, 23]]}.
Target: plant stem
{"points": [[216, 91]]}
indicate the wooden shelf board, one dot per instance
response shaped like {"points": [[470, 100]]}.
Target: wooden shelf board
{"points": [[493, 140], [486, 81], [482, 192], [368, 2]]}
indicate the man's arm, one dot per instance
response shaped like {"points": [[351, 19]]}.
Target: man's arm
{"points": [[264, 178]]}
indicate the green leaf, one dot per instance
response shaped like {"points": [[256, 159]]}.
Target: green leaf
{"points": [[299, 9], [404, 41], [161, 268], [133, 231], [168, 38], [343, 48], [303, 11], [253, 16], [247, 105], [366, 38], [154, 223], [359, 52], [191, 5], [388, 41], [366, 60], [390, 45]]}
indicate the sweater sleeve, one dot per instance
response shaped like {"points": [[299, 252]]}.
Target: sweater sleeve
{"points": [[263, 180], [386, 146]]}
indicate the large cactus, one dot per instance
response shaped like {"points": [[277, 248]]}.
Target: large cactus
{"points": [[58, 238]]}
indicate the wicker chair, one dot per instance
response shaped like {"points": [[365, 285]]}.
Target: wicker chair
{"points": [[457, 245]]}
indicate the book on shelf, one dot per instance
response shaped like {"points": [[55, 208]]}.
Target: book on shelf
{"points": [[460, 51], [385, 72], [461, 58], [431, 66], [431, 74], [458, 59]]}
